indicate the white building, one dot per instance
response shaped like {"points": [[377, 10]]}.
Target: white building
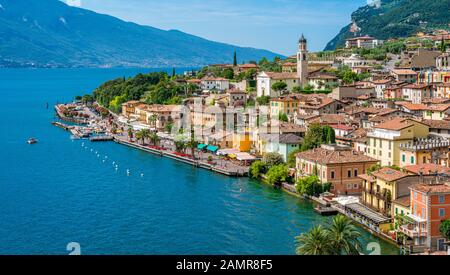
{"points": [[380, 86], [265, 80], [443, 62], [417, 92], [215, 83]]}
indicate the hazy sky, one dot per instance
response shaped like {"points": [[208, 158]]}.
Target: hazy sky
{"points": [[275, 25]]}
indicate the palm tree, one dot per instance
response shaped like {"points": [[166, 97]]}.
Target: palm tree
{"points": [[130, 133], [344, 236], [153, 120], [139, 136], [145, 134], [315, 242], [193, 145], [154, 138]]}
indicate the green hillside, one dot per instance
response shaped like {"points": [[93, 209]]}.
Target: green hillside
{"points": [[394, 19]]}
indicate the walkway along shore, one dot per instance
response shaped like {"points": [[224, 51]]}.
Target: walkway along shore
{"points": [[189, 161]]}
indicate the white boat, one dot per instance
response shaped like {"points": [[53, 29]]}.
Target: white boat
{"points": [[32, 141]]}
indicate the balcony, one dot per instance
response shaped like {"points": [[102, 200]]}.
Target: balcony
{"points": [[413, 231]]}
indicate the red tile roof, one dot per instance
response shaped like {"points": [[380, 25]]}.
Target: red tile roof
{"points": [[389, 174], [427, 169]]}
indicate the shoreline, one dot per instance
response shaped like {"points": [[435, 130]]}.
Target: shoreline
{"points": [[201, 165]]}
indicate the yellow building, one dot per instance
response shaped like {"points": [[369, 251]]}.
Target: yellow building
{"points": [[436, 112], [424, 151], [382, 188], [284, 105], [242, 142], [385, 139]]}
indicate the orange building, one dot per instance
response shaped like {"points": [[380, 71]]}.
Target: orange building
{"points": [[430, 205]]}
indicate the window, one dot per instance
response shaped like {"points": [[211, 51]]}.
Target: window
{"points": [[412, 160], [441, 199], [332, 174], [349, 173], [441, 212], [415, 195], [356, 173]]}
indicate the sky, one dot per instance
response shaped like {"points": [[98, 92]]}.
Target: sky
{"points": [[274, 25]]}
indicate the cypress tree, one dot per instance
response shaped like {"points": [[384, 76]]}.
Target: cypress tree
{"points": [[235, 59]]}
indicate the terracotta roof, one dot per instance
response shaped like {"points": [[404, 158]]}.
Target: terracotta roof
{"points": [[324, 156], [404, 201], [404, 72], [286, 127], [280, 76], [342, 127], [382, 81], [414, 107], [248, 66], [432, 188], [395, 124], [436, 100], [367, 178], [289, 64], [427, 169], [389, 174], [322, 76], [437, 124], [417, 86]]}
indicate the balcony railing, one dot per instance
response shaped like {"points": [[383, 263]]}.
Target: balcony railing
{"points": [[412, 231]]}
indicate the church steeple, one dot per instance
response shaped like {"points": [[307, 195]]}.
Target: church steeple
{"points": [[302, 61]]}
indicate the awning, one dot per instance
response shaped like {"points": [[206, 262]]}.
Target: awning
{"points": [[245, 157], [201, 146], [212, 148], [225, 152]]}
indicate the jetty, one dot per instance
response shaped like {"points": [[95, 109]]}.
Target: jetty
{"points": [[101, 138]]}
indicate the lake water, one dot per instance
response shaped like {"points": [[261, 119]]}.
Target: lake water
{"points": [[56, 192]]}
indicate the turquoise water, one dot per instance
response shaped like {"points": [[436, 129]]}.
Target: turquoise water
{"points": [[56, 192]]}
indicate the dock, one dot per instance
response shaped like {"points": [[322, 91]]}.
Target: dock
{"points": [[326, 211], [101, 138]]}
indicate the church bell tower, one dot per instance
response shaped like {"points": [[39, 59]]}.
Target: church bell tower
{"points": [[302, 61]]}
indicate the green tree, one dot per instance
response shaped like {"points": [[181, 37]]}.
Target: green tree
{"points": [[130, 133], [168, 128], [257, 169], [263, 100], [277, 174], [283, 117], [340, 238], [316, 242], [292, 158], [318, 135], [139, 136], [235, 59], [272, 159], [154, 138], [329, 135], [279, 86], [443, 46], [344, 236], [309, 186], [444, 228]]}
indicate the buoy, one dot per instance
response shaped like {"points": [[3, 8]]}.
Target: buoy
{"points": [[142, 175]]}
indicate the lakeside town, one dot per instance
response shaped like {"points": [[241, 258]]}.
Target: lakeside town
{"points": [[363, 131]]}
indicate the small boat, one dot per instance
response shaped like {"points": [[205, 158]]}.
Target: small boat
{"points": [[32, 141]]}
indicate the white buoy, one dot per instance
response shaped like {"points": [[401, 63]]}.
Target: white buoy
{"points": [[142, 175]]}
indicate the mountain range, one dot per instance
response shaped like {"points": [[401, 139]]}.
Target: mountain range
{"points": [[49, 33], [386, 19]]}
